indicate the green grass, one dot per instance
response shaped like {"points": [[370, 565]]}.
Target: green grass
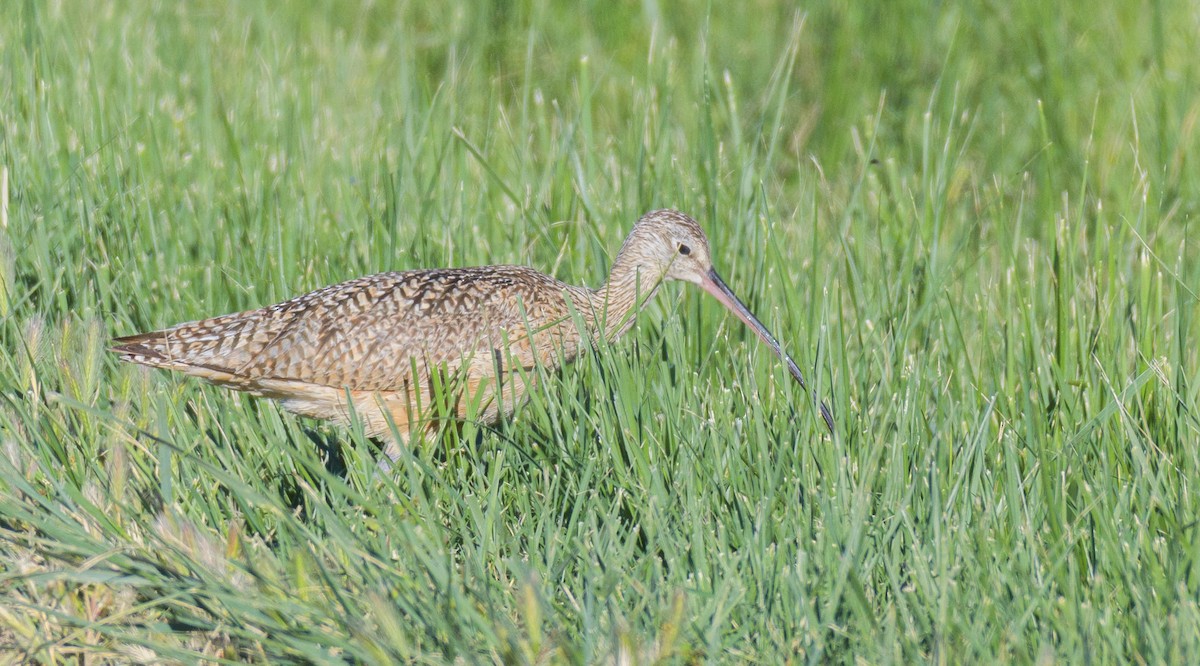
{"points": [[971, 223]]}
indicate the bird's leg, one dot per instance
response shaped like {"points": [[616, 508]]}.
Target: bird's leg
{"points": [[391, 448]]}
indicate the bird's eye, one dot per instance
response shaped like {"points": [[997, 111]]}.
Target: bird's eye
{"points": [[684, 250]]}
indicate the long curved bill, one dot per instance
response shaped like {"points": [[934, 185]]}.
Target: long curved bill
{"points": [[713, 284]]}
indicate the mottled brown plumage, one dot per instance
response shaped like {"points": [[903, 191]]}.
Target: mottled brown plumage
{"points": [[410, 349]]}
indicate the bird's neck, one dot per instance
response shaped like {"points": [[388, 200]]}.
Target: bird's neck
{"points": [[629, 287]]}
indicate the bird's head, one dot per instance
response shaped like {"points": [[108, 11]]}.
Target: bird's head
{"points": [[668, 245]]}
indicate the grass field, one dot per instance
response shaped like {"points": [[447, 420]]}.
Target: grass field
{"points": [[971, 223]]}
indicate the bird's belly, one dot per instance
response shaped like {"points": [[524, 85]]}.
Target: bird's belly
{"points": [[487, 405], [482, 400]]}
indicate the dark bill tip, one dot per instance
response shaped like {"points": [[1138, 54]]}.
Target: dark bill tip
{"points": [[721, 291]]}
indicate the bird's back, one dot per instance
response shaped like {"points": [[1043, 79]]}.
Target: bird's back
{"points": [[368, 334]]}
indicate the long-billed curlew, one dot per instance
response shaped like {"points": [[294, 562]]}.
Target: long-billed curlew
{"points": [[408, 349]]}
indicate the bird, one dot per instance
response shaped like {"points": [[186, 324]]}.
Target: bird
{"points": [[404, 353]]}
